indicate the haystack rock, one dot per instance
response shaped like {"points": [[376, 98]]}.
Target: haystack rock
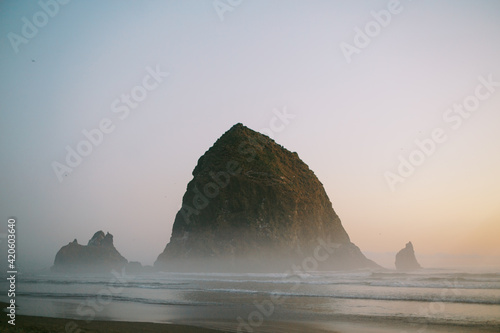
{"points": [[406, 260], [99, 255], [252, 205]]}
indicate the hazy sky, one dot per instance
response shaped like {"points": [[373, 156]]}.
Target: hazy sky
{"points": [[361, 92]]}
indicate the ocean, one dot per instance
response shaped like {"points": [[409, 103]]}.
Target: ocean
{"points": [[418, 301]]}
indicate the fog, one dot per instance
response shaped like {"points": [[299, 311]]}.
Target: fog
{"points": [[356, 118]]}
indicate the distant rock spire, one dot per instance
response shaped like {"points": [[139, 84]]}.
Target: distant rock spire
{"points": [[406, 260]]}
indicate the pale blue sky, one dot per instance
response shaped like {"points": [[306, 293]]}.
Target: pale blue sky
{"points": [[351, 120]]}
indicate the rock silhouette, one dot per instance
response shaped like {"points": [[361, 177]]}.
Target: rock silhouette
{"points": [[406, 260], [99, 255], [254, 205]]}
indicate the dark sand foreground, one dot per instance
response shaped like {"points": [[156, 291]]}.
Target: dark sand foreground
{"points": [[30, 324]]}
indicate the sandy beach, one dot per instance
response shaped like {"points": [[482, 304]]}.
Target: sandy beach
{"points": [[32, 324], [29, 324]]}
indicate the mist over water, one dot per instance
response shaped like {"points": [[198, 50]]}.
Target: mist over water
{"points": [[106, 107], [464, 262], [425, 297]]}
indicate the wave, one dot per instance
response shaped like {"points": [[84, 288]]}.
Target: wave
{"points": [[410, 281], [439, 280], [406, 298], [126, 284], [424, 275], [442, 285], [105, 298]]}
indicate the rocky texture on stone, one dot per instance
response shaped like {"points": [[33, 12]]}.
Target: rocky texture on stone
{"points": [[99, 255], [252, 205], [406, 260]]}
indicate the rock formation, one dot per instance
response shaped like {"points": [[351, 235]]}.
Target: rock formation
{"points": [[252, 205], [406, 260], [99, 255]]}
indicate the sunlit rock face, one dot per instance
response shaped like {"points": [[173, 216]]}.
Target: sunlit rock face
{"points": [[254, 205], [406, 260], [99, 255]]}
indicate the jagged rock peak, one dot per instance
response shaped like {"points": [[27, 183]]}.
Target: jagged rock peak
{"points": [[100, 239], [251, 197], [406, 259]]}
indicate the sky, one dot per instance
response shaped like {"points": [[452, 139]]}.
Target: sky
{"points": [[395, 105]]}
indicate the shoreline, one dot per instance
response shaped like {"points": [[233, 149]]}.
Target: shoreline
{"points": [[347, 324], [33, 324]]}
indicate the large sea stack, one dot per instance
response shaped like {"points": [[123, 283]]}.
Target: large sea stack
{"points": [[252, 205], [98, 256]]}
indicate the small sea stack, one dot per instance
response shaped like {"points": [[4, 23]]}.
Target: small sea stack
{"points": [[98, 256], [406, 260]]}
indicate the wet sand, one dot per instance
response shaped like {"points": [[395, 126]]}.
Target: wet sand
{"points": [[32, 324]]}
